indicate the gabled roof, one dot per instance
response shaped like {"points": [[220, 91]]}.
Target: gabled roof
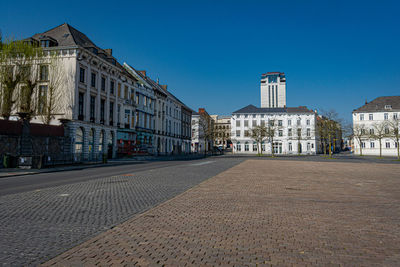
{"points": [[253, 109], [378, 104]]}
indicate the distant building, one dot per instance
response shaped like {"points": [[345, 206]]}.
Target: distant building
{"points": [[202, 131], [222, 130], [380, 114], [273, 90], [294, 127]]}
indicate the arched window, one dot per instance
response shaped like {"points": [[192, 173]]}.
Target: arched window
{"points": [[101, 141], [91, 141], [79, 140]]}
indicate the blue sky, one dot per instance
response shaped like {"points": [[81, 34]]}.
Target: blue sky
{"points": [[335, 54]]}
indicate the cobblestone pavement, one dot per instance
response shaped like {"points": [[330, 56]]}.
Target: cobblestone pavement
{"points": [[36, 226], [262, 212]]}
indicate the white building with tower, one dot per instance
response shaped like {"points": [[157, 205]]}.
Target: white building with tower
{"points": [[273, 90]]}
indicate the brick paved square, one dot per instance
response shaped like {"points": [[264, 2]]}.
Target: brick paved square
{"points": [[264, 212]]}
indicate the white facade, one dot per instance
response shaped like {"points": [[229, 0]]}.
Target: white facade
{"points": [[273, 90], [369, 121], [287, 126]]}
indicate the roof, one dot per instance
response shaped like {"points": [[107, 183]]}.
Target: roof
{"points": [[273, 73], [66, 36], [254, 109], [378, 104]]}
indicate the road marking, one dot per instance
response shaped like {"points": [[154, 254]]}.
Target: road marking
{"points": [[63, 195], [202, 163]]}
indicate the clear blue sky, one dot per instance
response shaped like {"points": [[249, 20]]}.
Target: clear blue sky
{"points": [[335, 54]]}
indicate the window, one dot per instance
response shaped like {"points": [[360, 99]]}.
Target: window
{"points": [[308, 146], [362, 131], [111, 113], [42, 99], [44, 72], [119, 90], [298, 122], [371, 131], [102, 107], [112, 84], [239, 148], [82, 75], [280, 133], [246, 123], [246, 146], [254, 115], [246, 133], [361, 117], [308, 122], [262, 147], [126, 92], [388, 106], [395, 116], [308, 132], [245, 116], [289, 132], [371, 117], [298, 132], [387, 144], [386, 116], [386, 130], [254, 123], [45, 43], [279, 122], [263, 123], [103, 83], [93, 80], [92, 108], [363, 144], [237, 123], [372, 145], [290, 147], [289, 122], [80, 106], [254, 147], [271, 122]]}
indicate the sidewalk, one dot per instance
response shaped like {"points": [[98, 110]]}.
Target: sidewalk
{"points": [[9, 172], [307, 213]]}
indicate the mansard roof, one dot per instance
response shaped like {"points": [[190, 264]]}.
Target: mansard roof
{"points": [[255, 110], [381, 104]]}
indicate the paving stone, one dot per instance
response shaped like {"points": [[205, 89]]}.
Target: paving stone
{"points": [[267, 213], [39, 225]]}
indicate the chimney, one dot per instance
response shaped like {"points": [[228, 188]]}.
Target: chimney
{"points": [[366, 102], [202, 110], [164, 86], [108, 51], [143, 72]]}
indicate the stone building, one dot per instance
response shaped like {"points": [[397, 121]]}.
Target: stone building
{"points": [[222, 131], [273, 90]]}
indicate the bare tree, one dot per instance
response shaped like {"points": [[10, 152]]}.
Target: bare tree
{"points": [[332, 129], [51, 101], [394, 133], [379, 131], [359, 134], [206, 130], [258, 134], [271, 133]]}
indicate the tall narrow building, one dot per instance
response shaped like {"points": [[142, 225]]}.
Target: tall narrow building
{"points": [[273, 90]]}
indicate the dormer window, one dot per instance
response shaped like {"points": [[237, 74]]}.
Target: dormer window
{"points": [[388, 106], [46, 41]]}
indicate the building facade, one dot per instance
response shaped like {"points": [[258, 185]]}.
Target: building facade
{"points": [[222, 131], [294, 130], [202, 132], [110, 108], [273, 90], [375, 123]]}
